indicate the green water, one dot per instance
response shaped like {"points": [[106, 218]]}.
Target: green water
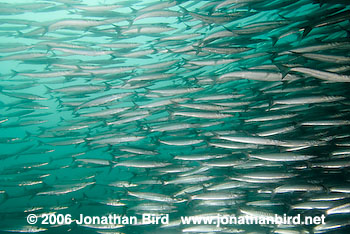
{"points": [[135, 107]]}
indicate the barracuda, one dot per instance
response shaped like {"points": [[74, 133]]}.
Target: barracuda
{"points": [[98, 8], [253, 140], [268, 175], [26, 229], [74, 23], [254, 75], [204, 115], [103, 100], [181, 142], [154, 197], [147, 29], [193, 179], [117, 140], [217, 19], [24, 56], [150, 77], [320, 205], [47, 74], [61, 190], [298, 188], [157, 6], [127, 120], [84, 52], [282, 157], [212, 62], [276, 131], [171, 92], [142, 164], [323, 75], [227, 50], [199, 157], [160, 13], [226, 185], [105, 113], [203, 107], [308, 100], [154, 207], [189, 190], [328, 58]]}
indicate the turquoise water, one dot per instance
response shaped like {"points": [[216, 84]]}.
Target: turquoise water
{"points": [[179, 108]]}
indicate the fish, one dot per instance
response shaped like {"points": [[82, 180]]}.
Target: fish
{"points": [[282, 157], [142, 164], [154, 197], [103, 100]]}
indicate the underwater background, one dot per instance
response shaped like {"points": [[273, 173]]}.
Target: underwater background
{"points": [[185, 108]]}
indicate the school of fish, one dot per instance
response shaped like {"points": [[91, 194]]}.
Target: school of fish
{"points": [[180, 107]]}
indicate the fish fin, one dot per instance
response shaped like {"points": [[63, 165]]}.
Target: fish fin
{"points": [[85, 196], [283, 69], [40, 141], [27, 135], [146, 127], [127, 191], [228, 29], [147, 173], [133, 11], [45, 30], [181, 21], [198, 49], [172, 155], [189, 198], [115, 164], [31, 196], [273, 195], [274, 40], [76, 109], [117, 29], [59, 100], [184, 10], [113, 56], [296, 53], [154, 49], [19, 34], [134, 174], [211, 26], [289, 208], [111, 166], [130, 22], [284, 84], [307, 30], [321, 2], [42, 130], [347, 31], [6, 197], [170, 113], [62, 119], [14, 73], [274, 55], [308, 164], [325, 188], [283, 17], [108, 86], [48, 89]]}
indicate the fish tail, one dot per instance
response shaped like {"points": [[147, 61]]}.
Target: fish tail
{"points": [[307, 30], [14, 73], [283, 69]]}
